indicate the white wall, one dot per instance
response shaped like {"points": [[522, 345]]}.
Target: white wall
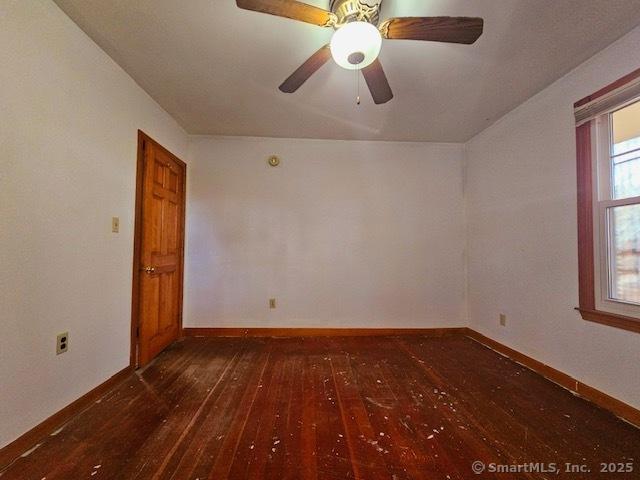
{"points": [[68, 133], [342, 234], [522, 234]]}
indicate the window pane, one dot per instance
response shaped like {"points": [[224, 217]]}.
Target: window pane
{"points": [[623, 148], [626, 177], [625, 151], [624, 253]]}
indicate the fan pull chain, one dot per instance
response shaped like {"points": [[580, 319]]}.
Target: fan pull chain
{"points": [[357, 70]]}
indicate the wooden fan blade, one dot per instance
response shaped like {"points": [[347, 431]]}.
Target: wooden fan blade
{"points": [[291, 9], [377, 83], [308, 68], [434, 29]]}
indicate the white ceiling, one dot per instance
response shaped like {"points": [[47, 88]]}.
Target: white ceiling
{"points": [[217, 68]]}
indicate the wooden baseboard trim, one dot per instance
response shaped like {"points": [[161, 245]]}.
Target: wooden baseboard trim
{"points": [[320, 332], [617, 407], [26, 441], [33, 436]]}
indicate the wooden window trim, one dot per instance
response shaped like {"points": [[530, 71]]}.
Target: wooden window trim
{"points": [[586, 271], [609, 88]]}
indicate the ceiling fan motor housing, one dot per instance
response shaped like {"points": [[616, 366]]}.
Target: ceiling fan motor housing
{"points": [[356, 10]]}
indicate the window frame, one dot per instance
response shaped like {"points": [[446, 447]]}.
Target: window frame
{"points": [[603, 200], [592, 142]]}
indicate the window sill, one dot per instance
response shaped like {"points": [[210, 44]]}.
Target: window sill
{"points": [[612, 319]]}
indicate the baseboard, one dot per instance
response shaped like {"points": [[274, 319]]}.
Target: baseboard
{"points": [[55, 421], [320, 332], [617, 407]]}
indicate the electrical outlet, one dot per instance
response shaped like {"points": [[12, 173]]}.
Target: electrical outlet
{"points": [[115, 224], [503, 320], [272, 303], [62, 343]]}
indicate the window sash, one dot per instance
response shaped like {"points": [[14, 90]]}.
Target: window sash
{"points": [[602, 201]]}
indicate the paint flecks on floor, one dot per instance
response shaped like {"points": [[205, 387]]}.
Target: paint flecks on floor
{"points": [[326, 408]]}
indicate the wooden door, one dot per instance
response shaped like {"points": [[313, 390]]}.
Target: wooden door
{"points": [[160, 258]]}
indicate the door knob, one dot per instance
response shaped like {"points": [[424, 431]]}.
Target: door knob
{"points": [[150, 269]]}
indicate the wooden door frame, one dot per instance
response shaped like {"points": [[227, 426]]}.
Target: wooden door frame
{"points": [[143, 138]]}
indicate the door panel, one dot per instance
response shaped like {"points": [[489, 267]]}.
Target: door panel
{"points": [[161, 250]]}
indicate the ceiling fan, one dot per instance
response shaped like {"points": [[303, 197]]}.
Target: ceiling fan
{"points": [[357, 39]]}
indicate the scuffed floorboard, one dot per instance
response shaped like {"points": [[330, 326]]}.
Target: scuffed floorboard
{"points": [[367, 408]]}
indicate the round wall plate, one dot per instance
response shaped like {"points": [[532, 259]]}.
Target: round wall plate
{"points": [[274, 160]]}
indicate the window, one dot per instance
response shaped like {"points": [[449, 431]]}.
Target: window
{"points": [[608, 173], [617, 195]]}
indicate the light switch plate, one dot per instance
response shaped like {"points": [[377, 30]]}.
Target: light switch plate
{"points": [[115, 224]]}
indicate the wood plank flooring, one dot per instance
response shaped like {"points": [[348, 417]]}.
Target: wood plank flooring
{"points": [[332, 408]]}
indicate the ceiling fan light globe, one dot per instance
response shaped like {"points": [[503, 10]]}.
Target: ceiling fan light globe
{"points": [[356, 40]]}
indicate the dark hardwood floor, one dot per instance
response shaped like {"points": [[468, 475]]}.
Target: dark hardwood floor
{"points": [[332, 408]]}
